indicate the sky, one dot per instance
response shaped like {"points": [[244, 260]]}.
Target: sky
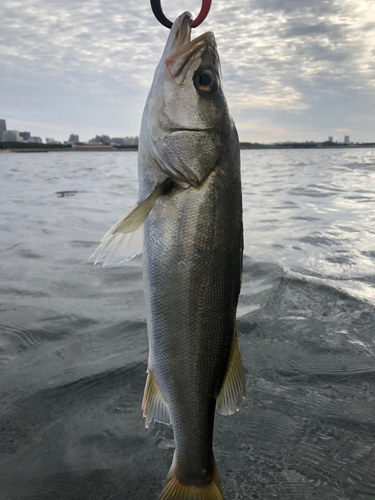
{"points": [[292, 69]]}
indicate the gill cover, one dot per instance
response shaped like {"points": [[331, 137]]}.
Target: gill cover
{"points": [[185, 107]]}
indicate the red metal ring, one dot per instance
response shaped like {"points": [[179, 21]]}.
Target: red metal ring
{"points": [[206, 5]]}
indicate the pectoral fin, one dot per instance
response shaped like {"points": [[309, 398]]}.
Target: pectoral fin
{"points": [[233, 390], [154, 405], [124, 240]]}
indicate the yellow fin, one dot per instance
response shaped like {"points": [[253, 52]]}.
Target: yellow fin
{"points": [[233, 390], [154, 405], [174, 490], [124, 240]]}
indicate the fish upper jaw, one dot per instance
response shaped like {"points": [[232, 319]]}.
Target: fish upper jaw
{"points": [[178, 63], [181, 31], [180, 49]]}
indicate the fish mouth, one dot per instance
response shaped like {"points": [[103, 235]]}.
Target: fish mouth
{"points": [[183, 49]]}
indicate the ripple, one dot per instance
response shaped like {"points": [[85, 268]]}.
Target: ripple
{"points": [[61, 194], [74, 347]]}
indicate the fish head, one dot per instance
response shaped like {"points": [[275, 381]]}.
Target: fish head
{"points": [[186, 111]]}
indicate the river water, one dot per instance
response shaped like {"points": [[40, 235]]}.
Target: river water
{"points": [[73, 341]]}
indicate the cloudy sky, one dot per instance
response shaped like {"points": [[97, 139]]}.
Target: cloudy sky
{"points": [[292, 69]]}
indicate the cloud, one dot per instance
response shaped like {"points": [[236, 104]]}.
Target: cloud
{"points": [[281, 98], [301, 29], [323, 7], [302, 57], [90, 64]]}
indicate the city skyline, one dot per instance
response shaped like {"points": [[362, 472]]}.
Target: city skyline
{"points": [[292, 69], [133, 140], [12, 135]]}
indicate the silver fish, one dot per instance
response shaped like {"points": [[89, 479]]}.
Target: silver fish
{"points": [[191, 207]]}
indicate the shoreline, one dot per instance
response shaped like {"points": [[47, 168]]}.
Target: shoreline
{"points": [[66, 150], [133, 149]]}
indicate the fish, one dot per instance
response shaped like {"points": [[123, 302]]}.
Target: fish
{"points": [[188, 223]]}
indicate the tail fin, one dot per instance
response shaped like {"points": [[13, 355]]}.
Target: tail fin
{"points": [[175, 490]]}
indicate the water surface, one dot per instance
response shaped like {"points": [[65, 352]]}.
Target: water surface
{"points": [[73, 340]]}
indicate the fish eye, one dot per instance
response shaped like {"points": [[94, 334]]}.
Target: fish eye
{"points": [[205, 81]]}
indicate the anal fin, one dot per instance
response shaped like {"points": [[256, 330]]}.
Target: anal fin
{"points": [[233, 390], [154, 405]]}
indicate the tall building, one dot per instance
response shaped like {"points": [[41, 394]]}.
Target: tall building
{"points": [[3, 127], [25, 135], [11, 136], [330, 138], [103, 139], [73, 138], [346, 139]]}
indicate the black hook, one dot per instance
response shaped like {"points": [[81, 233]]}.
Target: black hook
{"points": [[159, 14]]}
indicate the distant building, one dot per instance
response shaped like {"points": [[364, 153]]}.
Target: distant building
{"points": [[25, 135], [73, 138], [100, 139], [330, 138], [36, 139], [3, 127], [125, 141], [131, 141], [51, 141], [346, 139], [11, 136], [117, 141]]}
